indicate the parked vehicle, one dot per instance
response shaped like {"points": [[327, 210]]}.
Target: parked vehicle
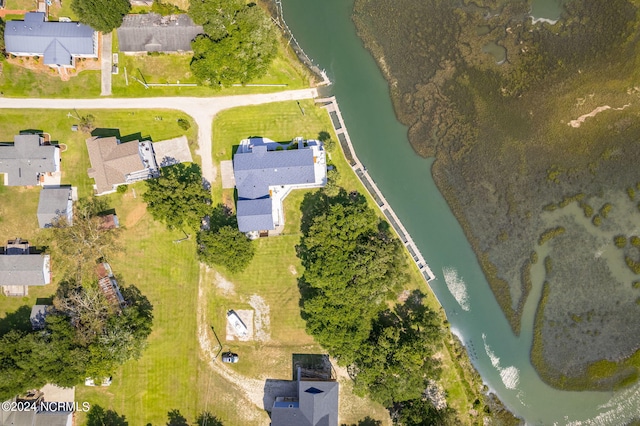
{"points": [[229, 357]]}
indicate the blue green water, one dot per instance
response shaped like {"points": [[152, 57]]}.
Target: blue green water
{"points": [[327, 34]]}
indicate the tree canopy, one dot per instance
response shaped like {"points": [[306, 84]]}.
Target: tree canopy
{"points": [[353, 268], [223, 244], [101, 15], [83, 337], [238, 45], [178, 197]]}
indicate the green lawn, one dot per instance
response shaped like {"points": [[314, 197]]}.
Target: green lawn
{"points": [[21, 5], [75, 159]]}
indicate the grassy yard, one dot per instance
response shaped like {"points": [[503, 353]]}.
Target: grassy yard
{"points": [[21, 4], [75, 159]]}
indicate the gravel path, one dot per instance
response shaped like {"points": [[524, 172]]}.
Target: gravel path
{"points": [[201, 109], [105, 65]]}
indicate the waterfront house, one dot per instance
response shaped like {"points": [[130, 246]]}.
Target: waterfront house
{"points": [[59, 43], [265, 173], [151, 32], [26, 161], [20, 269]]}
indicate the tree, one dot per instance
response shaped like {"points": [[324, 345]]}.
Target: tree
{"points": [[101, 15], [2, 45], [207, 419], [177, 197], [76, 247], [351, 263], [98, 416], [226, 247], [87, 123], [176, 419], [239, 42]]}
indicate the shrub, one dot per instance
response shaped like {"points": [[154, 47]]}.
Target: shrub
{"points": [[636, 284], [121, 189], [632, 264], [620, 241], [184, 124], [597, 220], [631, 193], [605, 209], [635, 241], [587, 209], [549, 234], [550, 207], [279, 148]]}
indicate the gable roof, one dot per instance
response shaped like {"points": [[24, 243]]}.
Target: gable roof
{"points": [[54, 203], [317, 405], [24, 269], [152, 32], [57, 41], [111, 161], [255, 215], [26, 158]]}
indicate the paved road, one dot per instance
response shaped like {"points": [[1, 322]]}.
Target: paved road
{"points": [[201, 109], [105, 59]]}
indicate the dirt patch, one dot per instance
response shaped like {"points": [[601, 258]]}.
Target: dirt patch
{"points": [[225, 286], [246, 316], [249, 391], [292, 269], [262, 318], [135, 215], [576, 123]]}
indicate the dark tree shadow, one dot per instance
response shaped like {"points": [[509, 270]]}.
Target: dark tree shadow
{"points": [[98, 416], [176, 419], [18, 320], [220, 217], [207, 419], [106, 133], [31, 132], [367, 421]]}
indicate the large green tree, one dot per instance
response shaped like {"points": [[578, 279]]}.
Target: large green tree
{"points": [[178, 197], [101, 15], [238, 45], [226, 247]]}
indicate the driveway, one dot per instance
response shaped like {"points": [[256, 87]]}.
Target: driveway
{"points": [[201, 109], [105, 58]]}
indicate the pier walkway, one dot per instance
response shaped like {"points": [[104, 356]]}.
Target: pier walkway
{"points": [[331, 105]]}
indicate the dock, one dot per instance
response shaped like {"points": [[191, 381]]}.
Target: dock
{"points": [[331, 105]]}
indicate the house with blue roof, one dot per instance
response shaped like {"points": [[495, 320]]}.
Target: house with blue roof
{"points": [[265, 173], [59, 43]]}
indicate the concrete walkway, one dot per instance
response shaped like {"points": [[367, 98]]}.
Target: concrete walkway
{"points": [[201, 109], [105, 60]]}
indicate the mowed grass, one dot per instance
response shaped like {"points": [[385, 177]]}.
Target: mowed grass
{"points": [[175, 67], [166, 377], [75, 159], [282, 122]]}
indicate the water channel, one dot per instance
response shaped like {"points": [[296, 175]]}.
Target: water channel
{"points": [[325, 31]]}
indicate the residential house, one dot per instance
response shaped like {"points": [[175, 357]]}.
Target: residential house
{"points": [[114, 163], [151, 32], [307, 400], [20, 269], [55, 204], [59, 43], [28, 160], [265, 173], [109, 221]]}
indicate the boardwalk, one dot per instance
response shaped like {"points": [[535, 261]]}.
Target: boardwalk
{"points": [[345, 142]]}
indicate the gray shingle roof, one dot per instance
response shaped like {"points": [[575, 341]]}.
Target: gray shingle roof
{"points": [[111, 162], [57, 41], [258, 169], [152, 32], [317, 405], [54, 203], [24, 269], [25, 159], [255, 215]]}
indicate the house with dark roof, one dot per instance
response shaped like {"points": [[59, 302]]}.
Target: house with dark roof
{"points": [[151, 32], [265, 173], [20, 269], [310, 399], [59, 43], [55, 204], [26, 161], [114, 163]]}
